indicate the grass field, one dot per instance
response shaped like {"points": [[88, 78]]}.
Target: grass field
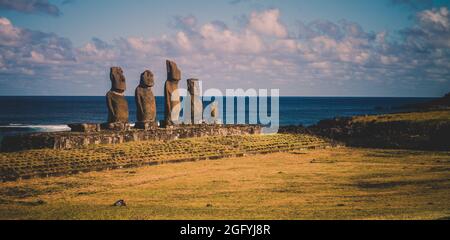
{"points": [[334, 183], [426, 116], [51, 162]]}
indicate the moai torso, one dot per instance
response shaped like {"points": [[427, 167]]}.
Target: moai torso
{"points": [[171, 94], [115, 98], [196, 104], [214, 110], [145, 100], [214, 113]]}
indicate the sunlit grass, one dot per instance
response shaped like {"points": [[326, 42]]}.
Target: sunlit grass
{"points": [[334, 183], [443, 115]]}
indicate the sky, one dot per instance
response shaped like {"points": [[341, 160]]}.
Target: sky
{"points": [[395, 48]]}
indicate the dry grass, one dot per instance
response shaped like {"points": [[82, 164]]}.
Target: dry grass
{"points": [[336, 183], [443, 115], [49, 162]]}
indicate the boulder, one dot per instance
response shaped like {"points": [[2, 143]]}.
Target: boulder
{"points": [[120, 203]]}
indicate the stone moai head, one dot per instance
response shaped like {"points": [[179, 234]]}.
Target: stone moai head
{"points": [[173, 73], [117, 79], [147, 79]]}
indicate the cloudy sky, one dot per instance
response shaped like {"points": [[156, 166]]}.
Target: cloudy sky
{"points": [[304, 48]]}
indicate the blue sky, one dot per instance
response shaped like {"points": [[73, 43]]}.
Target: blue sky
{"points": [[304, 48]]}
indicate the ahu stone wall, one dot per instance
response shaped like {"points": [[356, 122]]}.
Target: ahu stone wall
{"points": [[71, 140]]}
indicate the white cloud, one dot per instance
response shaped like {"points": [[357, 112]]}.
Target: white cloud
{"points": [[37, 57], [9, 35], [226, 41], [268, 23], [183, 41], [437, 17]]}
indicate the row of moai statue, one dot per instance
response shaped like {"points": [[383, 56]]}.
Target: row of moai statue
{"points": [[146, 103]]}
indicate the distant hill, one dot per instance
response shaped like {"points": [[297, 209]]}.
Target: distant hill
{"points": [[440, 103], [424, 130]]}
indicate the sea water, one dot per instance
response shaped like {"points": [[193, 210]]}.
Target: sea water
{"points": [[49, 114]]}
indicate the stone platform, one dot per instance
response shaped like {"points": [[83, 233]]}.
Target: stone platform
{"points": [[73, 140]]}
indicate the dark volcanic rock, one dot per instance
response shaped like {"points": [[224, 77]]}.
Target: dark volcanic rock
{"points": [[440, 103], [120, 203], [85, 127], [427, 135], [292, 129], [146, 125], [145, 101], [73, 140], [115, 126], [171, 94]]}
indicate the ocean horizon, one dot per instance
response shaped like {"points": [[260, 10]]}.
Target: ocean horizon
{"points": [[23, 114]]}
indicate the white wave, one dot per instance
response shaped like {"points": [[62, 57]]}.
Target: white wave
{"points": [[43, 128]]}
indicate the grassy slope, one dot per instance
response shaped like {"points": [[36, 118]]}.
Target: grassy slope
{"points": [[341, 183], [443, 115], [428, 130]]}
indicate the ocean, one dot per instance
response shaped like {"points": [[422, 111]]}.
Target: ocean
{"points": [[48, 114]]}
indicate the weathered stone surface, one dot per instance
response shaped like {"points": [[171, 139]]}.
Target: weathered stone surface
{"points": [[71, 140], [85, 127], [115, 99], [146, 125], [115, 126], [117, 107], [171, 94], [173, 72], [145, 100], [215, 112], [117, 79], [196, 104]]}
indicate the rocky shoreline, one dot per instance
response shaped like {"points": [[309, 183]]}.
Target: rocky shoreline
{"points": [[393, 131], [425, 127], [395, 134]]}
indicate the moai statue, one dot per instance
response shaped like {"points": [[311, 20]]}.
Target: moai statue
{"points": [[171, 94], [145, 102], [215, 112], [196, 104], [116, 102]]}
